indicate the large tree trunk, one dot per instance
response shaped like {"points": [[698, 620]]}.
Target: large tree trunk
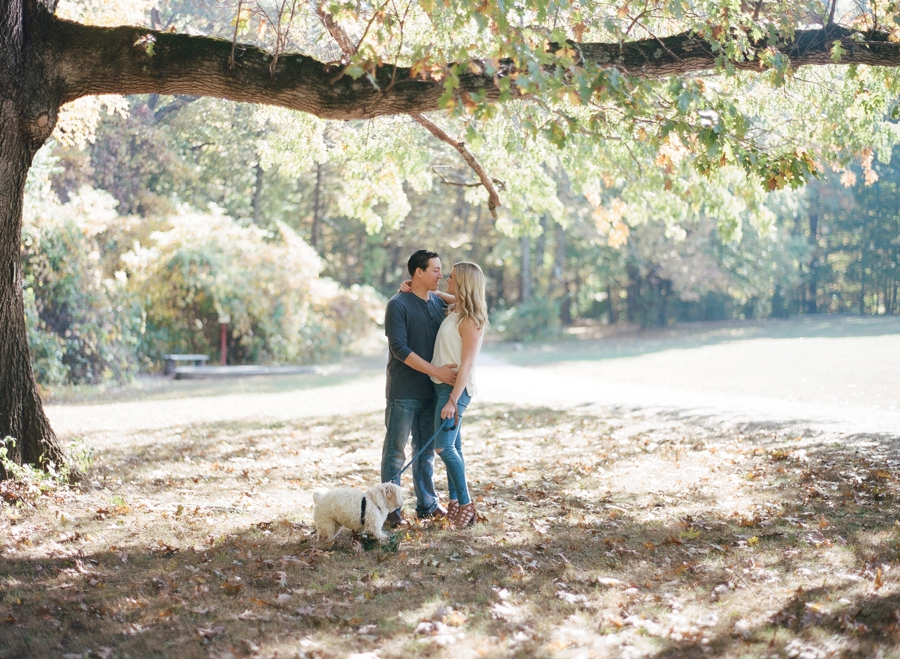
{"points": [[21, 412], [27, 114]]}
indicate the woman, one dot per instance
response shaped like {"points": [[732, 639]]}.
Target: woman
{"points": [[459, 342]]}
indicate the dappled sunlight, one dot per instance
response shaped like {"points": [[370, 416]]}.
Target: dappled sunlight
{"points": [[603, 533]]}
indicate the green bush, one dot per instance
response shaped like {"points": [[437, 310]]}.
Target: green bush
{"points": [[203, 267], [105, 294], [81, 324], [534, 320], [47, 348]]}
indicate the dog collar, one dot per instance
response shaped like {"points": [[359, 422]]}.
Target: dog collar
{"points": [[362, 512]]}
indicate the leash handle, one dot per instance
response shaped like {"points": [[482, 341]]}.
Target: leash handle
{"points": [[443, 427]]}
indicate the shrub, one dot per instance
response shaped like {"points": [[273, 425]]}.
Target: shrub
{"points": [[203, 267], [47, 348], [81, 326], [105, 294]]}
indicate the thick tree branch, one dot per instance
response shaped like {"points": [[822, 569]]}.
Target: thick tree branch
{"points": [[90, 60], [685, 53], [129, 60]]}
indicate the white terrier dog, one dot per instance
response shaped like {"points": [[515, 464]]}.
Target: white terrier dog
{"points": [[358, 511]]}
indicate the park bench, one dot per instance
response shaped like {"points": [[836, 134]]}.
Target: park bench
{"points": [[172, 360]]}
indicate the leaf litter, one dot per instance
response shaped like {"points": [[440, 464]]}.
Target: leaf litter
{"points": [[601, 533]]}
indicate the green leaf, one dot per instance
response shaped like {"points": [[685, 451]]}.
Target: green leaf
{"points": [[355, 71], [837, 51], [555, 134], [473, 138]]}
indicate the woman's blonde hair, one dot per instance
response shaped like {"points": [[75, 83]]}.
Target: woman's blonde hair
{"points": [[470, 301]]}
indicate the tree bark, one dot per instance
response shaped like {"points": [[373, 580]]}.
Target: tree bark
{"points": [[686, 53], [28, 112], [130, 60], [21, 412]]}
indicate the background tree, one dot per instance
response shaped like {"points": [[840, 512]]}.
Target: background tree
{"points": [[853, 231]]}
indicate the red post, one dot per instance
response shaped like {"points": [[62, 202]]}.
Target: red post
{"points": [[224, 348]]}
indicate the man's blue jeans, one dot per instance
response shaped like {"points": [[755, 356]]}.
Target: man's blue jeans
{"points": [[402, 417], [449, 443]]}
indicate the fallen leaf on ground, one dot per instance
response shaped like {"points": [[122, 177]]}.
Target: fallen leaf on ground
{"points": [[210, 632]]}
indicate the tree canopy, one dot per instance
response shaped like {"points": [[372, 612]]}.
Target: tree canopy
{"points": [[622, 100]]}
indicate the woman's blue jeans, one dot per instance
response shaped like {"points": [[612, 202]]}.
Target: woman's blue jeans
{"points": [[448, 443]]}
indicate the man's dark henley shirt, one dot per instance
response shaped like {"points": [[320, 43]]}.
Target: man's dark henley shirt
{"points": [[411, 325]]}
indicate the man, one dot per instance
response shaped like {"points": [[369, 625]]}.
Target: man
{"points": [[411, 323]]}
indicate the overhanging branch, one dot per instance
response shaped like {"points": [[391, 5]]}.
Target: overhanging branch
{"points": [[468, 156], [89, 60], [128, 60], [686, 53], [340, 36]]}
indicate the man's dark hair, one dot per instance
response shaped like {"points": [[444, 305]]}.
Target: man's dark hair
{"points": [[419, 261]]}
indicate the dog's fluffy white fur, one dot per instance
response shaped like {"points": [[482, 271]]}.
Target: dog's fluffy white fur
{"points": [[341, 507]]}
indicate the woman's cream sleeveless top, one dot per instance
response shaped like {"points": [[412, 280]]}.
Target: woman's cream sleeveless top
{"points": [[448, 349]]}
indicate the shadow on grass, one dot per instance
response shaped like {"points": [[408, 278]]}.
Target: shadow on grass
{"points": [[696, 335], [599, 538]]}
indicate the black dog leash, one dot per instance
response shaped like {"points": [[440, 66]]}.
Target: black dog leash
{"points": [[362, 512], [396, 478]]}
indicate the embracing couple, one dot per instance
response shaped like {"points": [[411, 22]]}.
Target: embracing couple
{"points": [[434, 340]]}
